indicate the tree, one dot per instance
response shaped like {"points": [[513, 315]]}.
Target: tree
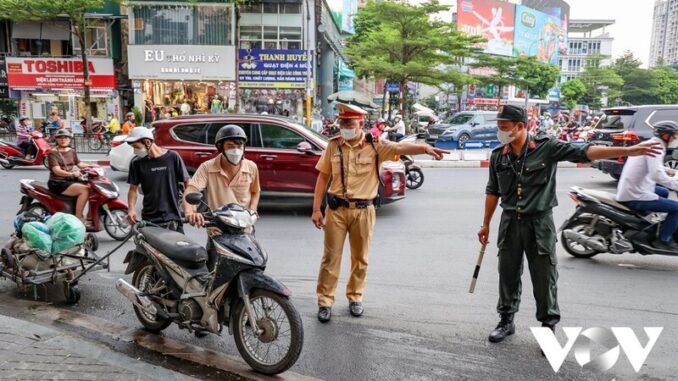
{"points": [[42, 10], [599, 80], [505, 71], [667, 85], [535, 76], [401, 42], [572, 92], [626, 64], [431, 102]]}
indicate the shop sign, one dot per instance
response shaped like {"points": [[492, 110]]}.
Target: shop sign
{"points": [[4, 90], [181, 62], [269, 68], [58, 73]]}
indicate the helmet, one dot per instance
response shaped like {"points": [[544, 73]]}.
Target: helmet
{"points": [[665, 127], [139, 133], [63, 132], [129, 114], [230, 132]]}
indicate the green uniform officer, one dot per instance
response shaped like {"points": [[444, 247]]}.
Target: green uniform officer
{"points": [[523, 176]]}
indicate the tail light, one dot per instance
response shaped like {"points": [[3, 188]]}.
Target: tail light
{"points": [[628, 136], [621, 160], [116, 143], [574, 198]]}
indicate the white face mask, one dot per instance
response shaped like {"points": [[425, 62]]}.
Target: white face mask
{"points": [[234, 155], [141, 152], [505, 137], [674, 142], [349, 133]]}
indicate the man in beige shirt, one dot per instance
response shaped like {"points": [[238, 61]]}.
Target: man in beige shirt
{"points": [[228, 178], [350, 166]]}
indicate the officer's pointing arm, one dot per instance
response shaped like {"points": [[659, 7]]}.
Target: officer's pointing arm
{"points": [[417, 149]]}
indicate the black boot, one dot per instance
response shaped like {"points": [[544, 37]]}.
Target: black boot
{"points": [[324, 314], [504, 328]]}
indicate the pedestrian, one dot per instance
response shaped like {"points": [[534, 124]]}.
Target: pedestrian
{"points": [[523, 176], [129, 124], [113, 125], [158, 171], [350, 166], [229, 178]]}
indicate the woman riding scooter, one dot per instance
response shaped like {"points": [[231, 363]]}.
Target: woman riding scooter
{"points": [[62, 179]]}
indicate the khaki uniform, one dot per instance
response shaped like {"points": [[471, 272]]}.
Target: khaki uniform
{"points": [[222, 190], [362, 183]]}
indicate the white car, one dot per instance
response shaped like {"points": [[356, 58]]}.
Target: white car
{"points": [[121, 154]]}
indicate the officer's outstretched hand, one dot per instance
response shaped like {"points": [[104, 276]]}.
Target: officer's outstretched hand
{"points": [[437, 153], [484, 235], [317, 219], [650, 148]]}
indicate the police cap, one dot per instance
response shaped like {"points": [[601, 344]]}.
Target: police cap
{"points": [[512, 113]]}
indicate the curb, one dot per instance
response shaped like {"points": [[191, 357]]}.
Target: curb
{"points": [[480, 164]]}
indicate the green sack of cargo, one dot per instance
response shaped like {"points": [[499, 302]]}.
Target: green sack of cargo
{"points": [[66, 231], [36, 234]]}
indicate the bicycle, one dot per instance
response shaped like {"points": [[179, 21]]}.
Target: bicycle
{"points": [[99, 138]]}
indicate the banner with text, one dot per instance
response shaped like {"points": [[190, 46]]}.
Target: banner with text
{"points": [[269, 68]]}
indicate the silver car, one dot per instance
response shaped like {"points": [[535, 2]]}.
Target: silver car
{"points": [[463, 126]]}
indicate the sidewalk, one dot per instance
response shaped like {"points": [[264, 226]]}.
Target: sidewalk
{"points": [[31, 351]]}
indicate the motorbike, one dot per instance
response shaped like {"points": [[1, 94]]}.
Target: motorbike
{"points": [[104, 205], [171, 283], [600, 224], [413, 173], [12, 155]]}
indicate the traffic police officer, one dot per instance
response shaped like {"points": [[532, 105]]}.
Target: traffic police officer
{"points": [[523, 175], [350, 165]]}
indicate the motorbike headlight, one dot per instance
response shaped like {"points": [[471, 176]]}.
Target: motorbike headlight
{"points": [[395, 183], [110, 193]]}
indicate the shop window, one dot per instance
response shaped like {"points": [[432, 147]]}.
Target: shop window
{"points": [[214, 128], [290, 8], [180, 25], [278, 137], [194, 133], [96, 40], [33, 47], [270, 8], [250, 8]]}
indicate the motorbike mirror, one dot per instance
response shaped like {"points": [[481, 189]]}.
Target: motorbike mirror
{"points": [[194, 198], [305, 147]]}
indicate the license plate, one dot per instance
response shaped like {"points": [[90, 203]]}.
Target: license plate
{"points": [[433, 136]]}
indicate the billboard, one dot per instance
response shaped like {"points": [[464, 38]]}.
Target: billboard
{"points": [[558, 9], [492, 19], [342, 12], [537, 34], [52, 73], [181, 62], [268, 68]]}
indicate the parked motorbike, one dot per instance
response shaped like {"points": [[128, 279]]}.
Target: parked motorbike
{"points": [[600, 224], [104, 205], [12, 155], [413, 173], [172, 284]]}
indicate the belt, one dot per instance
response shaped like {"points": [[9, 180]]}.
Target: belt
{"points": [[527, 216], [353, 203]]}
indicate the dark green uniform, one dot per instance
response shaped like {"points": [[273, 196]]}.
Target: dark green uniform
{"points": [[527, 221]]}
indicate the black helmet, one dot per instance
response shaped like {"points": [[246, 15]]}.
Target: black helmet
{"points": [[665, 127], [63, 132], [230, 132]]}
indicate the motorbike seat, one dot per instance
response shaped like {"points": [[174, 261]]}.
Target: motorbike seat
{"points": [[604, 197], [42, 187], [11, 144], [176, 246]]}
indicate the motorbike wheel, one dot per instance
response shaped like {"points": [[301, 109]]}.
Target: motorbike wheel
{"points": [[37, 209], [118, 228], [415, 178], [91, 242], [148, 280], [573, 248], [7, 165], [45, 162], [284, 338], [95, 144], [72, 295]]}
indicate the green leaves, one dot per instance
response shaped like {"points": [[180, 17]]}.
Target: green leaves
{"points": [[572, 92]]}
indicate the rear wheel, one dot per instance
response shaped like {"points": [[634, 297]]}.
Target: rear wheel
{"points": [[463, 138], [278, 346], [7, 165], [576, 249], [45, 162], [147, 280], [116, 225], [415, 178]]}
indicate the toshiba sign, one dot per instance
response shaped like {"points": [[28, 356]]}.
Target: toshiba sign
{"points": [[58, 73]]}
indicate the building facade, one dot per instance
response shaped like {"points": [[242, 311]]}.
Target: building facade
{"points": [[664, 42], [586, 39], [43, 70]]}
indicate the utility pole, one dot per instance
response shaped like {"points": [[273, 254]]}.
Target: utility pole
{"points": [[309, 64]]}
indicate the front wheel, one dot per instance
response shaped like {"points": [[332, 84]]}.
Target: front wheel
{"points": [[147, 280], [463, 138], [7, 165], [45, 162], [575, 249], [95, 144], [277, 347], [415, 178], [116, 225]]}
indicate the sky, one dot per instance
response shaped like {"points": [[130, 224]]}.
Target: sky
{"points": [[631, 31]]}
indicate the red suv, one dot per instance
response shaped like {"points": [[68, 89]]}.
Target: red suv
{"points": [[285, 152]]}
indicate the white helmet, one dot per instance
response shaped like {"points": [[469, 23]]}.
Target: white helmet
{"points": [[139, 133]]}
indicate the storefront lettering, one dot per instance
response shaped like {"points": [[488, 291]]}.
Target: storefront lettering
{"points": [[161, 56], [54, 66]]}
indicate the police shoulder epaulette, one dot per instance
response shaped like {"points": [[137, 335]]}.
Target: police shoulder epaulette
{"points": [[542, 137]]}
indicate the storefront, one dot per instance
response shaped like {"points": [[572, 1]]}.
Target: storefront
{"points": [[48, 84], [273, 81], [181, 79]]}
